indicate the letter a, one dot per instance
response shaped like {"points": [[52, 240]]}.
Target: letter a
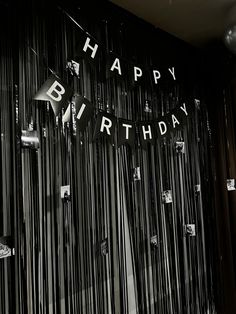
{"points": [[116, 65], [174, 120]]}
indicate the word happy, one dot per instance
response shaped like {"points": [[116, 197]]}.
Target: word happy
{"points": [[116, 65]]}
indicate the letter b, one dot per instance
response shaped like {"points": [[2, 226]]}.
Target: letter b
{"points": [[56, 91]]}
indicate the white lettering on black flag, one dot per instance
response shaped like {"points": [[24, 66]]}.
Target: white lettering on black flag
{"points": [[55, 91], [105, 126], [126, 132]]}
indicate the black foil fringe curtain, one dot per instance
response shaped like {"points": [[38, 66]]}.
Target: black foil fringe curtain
{"points": [[93, 253]]}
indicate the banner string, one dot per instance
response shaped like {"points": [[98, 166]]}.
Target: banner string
{"points": [[146, 68]]}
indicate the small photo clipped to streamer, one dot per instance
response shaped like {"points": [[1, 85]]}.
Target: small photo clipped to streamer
{"points": [[180, 147], [136, 174], [154, 241], [6, 248], [104, 247], [73, 68], [190, 230], [166, 197], [231, 185], [65, 192]]}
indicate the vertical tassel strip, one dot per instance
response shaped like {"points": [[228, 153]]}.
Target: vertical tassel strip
{"points": [[94, 252]]}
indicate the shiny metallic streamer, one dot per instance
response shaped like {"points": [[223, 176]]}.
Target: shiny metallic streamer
{"points": [[58, 267]]}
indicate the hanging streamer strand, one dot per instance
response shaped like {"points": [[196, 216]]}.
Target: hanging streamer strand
{"points": [[116, 242]]}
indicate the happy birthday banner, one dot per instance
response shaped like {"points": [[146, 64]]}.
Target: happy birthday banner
{"points": [[59, 94]]}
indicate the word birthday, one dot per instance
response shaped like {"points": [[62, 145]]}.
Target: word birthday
{"points": [[58, 94]]}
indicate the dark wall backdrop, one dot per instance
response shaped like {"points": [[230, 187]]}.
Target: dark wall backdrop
{"points": [[221, 104], [58, 266]]}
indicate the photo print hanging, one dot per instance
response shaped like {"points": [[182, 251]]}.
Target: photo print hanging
{"points": [[154, 241], [197, 103], [104, 247], [180, 147], [147, 107], [197, 189], [190, 230], [136, 174], [231, 185], [6, 247], [65, 193], [167, 197], [73, 68]]}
